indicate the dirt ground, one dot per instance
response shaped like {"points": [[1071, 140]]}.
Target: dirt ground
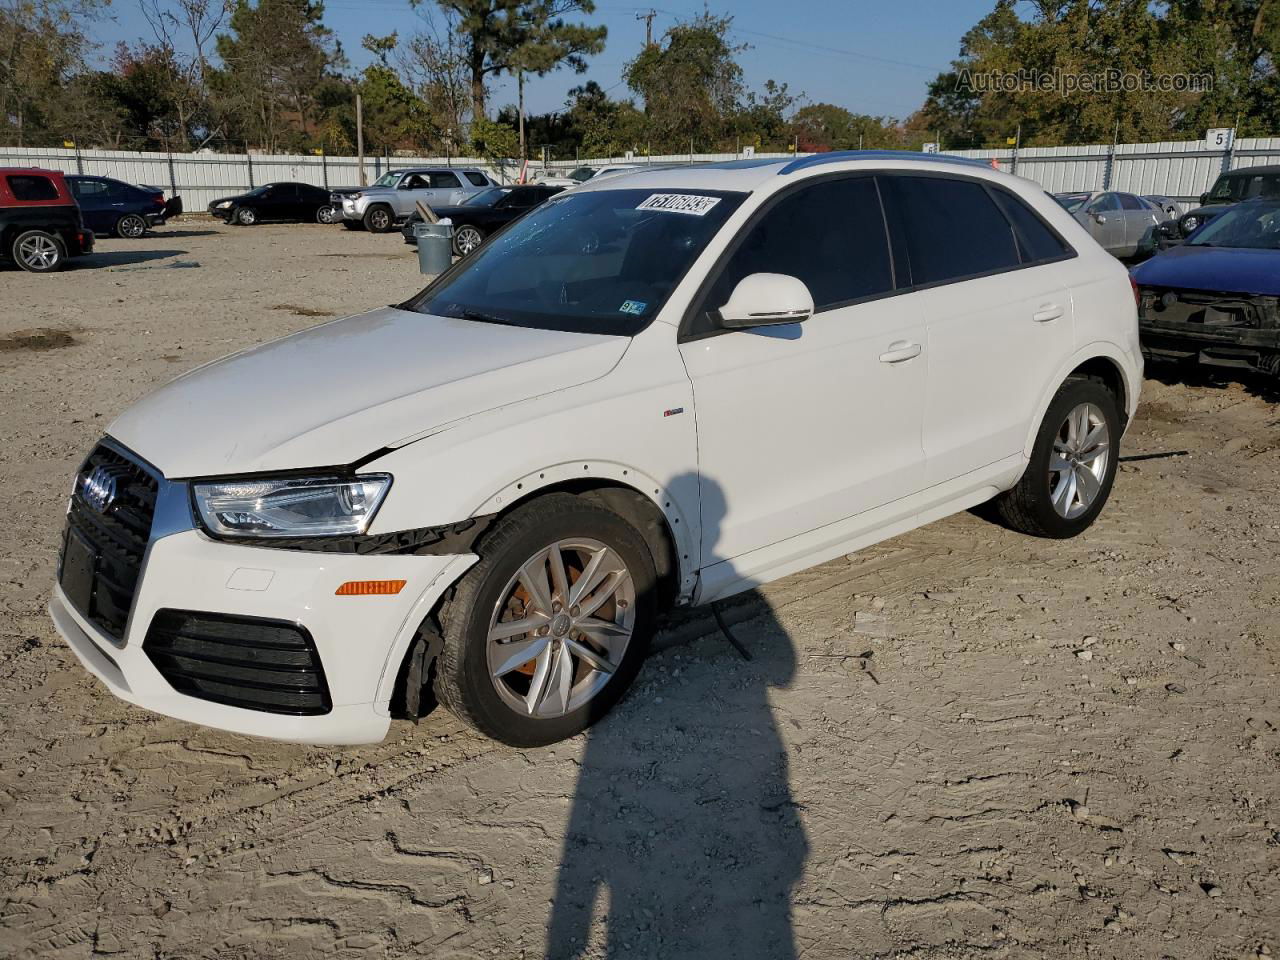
{"points": [[962, 743]]}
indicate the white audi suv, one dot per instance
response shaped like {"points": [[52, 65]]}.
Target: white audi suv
{"points": [[655, 391]]}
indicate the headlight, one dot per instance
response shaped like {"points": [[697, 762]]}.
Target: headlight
{"points": [[354, 196], [291, 506], [223, 203]]}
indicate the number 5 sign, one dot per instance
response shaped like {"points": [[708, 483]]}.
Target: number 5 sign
{"points": [[1220, 138]]}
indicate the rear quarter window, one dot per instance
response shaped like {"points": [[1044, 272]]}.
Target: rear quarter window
{"points": [[477, 179], [1036, 241], [32, 187]]}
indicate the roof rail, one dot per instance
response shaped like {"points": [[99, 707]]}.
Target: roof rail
{"points": [[839, 156]]}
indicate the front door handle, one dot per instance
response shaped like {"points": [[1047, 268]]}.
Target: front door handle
{"points": [[899, 351], [1047, 312]]}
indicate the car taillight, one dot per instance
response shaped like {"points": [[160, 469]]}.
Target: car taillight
{"points": [[158, 199], [1137, 296]]}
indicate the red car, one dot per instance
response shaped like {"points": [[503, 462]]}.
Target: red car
{"points": [[40, 222]]}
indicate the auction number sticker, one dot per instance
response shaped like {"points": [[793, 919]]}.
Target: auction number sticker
{"points": [[689, 203]]}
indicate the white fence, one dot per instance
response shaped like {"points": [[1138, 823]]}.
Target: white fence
{"points": [[1181, 170]]}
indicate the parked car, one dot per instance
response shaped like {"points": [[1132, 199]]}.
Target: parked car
{"points": [[581, 175], [655, 392], [1215, 298], [1118, 221], [394, 195], [1071, 202], [40, 223], [1172, 209], [279, 202], [483, 213], [115, 208], [1247, 183]]}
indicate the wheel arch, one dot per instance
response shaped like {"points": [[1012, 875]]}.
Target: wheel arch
{"points": [[1102, 361]]}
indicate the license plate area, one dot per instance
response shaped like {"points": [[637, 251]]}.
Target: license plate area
{"points": [[79, 564]]}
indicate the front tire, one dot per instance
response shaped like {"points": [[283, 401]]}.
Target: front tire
{"points": [[38, 251], [246, 216], [1072, 467], [130, 227], [379, 219], [466, 239], [549, 629]]}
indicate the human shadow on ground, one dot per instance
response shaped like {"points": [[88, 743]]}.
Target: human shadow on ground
{"points": [[684, 839]]}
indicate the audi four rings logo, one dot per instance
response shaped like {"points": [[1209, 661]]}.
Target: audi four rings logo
{"points": [[98, 489]]}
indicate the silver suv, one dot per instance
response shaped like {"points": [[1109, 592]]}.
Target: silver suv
{"points": [[392, 197]]}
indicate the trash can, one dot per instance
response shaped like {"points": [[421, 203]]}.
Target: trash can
{"points": [[435, 247]]}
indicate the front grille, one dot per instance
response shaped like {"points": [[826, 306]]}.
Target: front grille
{"points": [[245, 662], [103, 545]]}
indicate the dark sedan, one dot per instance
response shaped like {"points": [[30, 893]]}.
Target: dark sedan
{"points": [[279, 202], [115, 208], [1216, 297], [484, 213]]}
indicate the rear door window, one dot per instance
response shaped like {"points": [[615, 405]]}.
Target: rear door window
{"points": [[1128, 201], [951, 228], [31, 187], [445, 180], [476, 178]]}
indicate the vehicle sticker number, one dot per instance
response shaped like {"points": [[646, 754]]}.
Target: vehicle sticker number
{"points": [[633, 306], [689, 203]]}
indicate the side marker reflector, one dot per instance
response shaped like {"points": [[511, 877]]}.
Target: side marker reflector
{"points": [[370, 588]]}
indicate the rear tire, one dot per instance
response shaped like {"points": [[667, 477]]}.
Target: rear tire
{"points": [[38, 251], [328, 214], [130, 227], [1072, 467], [580, 658], [466, 239], [379, 219]]}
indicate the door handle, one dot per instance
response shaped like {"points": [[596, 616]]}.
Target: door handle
{"points": [[1047, 312], [899, 351]]}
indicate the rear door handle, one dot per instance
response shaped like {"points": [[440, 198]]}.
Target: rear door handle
{"points": [[899, 351], [1047, 312]]}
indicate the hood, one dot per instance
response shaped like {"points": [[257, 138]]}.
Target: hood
{"points": [[348, 189], [1225, 269], [335, 393]]}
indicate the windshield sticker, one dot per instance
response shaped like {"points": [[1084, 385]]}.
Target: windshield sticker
{"points": [[679, 203], [633, 306]]}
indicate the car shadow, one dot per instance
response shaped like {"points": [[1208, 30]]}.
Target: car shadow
{"points": [[168, 234], [1265, 388], [684, 839], [120, 258]]}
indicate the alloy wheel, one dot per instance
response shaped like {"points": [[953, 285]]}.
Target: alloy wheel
{"points": [[561, 628], [131, 227], [468, 239], [379, 219], [38, 253], [247, 217], [327, 214], [1078, 463]]}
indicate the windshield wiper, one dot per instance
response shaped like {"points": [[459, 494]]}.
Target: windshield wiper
{"points": [[480, 317]]}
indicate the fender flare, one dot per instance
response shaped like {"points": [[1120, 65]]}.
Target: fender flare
{"points": [[1099, 349]]}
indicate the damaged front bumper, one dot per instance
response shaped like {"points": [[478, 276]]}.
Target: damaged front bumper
{"points": [[1217, 328]]}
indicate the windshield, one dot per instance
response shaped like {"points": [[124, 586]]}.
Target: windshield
{"points": [[604, 261], [1071, 201], [1244, 187], [388, 179], [486, 198], [582, 174], [1255, 226]]}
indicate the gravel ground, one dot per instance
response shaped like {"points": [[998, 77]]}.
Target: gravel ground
{"points": [[961, 743]]}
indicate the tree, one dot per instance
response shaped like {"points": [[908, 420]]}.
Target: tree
{"points": [[761, 121], [43, 46], [505, 36], [277, 54], [820, 127], [691, 83]]}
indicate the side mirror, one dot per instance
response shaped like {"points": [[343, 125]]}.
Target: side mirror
{"points": [[1098, 218], [1204, 198], [766, 299]]}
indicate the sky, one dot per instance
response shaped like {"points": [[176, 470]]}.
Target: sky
{"points": [[866, 55]]}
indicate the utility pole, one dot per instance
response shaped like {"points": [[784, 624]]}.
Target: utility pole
{"points": [[648, 26], [520, 86], [360, 138]]}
